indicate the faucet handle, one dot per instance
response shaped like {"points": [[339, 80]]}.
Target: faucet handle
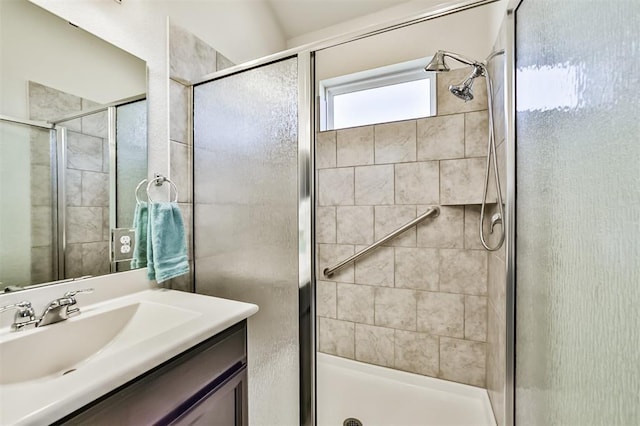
{"points": [[25, 315], [19, 306], [73, 293]]}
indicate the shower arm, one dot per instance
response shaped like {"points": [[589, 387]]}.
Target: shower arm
{"points": [[462, 59]]}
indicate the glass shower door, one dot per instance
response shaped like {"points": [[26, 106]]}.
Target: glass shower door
{"points": [[578, 213], [246, 222]]}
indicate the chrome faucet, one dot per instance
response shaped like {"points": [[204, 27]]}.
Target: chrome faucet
{"points": [[61, 309], [25, 314]]}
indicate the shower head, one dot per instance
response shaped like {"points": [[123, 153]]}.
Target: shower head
{"points": [[463, 90], [437, 63]]}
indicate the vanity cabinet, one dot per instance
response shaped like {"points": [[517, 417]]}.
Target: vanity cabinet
{"points": [[206, 385]]}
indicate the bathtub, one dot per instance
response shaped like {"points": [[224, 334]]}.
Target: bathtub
{"points": [[379, 396]]}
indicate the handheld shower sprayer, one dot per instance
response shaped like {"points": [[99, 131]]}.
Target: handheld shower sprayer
{"points": [[464, 92]]}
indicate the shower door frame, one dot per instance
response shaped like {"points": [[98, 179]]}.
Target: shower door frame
{"points": [[510, 210], [308, 122]]}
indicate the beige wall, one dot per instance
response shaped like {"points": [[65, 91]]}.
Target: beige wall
{"points": [[470, 33]]}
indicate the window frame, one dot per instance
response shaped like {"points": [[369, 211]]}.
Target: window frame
{"points": [[404, 72]]}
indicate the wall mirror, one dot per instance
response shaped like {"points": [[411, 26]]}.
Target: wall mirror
{"points": [[73, 147]]}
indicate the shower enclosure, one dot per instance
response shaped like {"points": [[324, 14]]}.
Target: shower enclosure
{"points": [[574, 169], [252, 223], [73, 182]]}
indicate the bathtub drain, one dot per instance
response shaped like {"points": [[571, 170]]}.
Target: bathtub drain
{"points": [[352, 422]]}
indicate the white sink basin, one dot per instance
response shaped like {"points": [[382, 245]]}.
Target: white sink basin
{"points": [[60, 348], [106, 346]]}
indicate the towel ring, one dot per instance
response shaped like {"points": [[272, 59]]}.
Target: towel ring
{"points": [[142, 182], [159, 180]]}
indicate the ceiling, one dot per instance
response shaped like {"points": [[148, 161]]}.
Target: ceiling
{"points": [[297, 17]]}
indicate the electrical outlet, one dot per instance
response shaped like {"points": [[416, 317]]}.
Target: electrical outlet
{"points": [[122, 242]]}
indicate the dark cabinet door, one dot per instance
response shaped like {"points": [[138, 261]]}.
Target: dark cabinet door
{"points": [[224, 406]]}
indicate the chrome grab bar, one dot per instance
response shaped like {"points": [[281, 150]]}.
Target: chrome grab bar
{"points": [[432, 212]]}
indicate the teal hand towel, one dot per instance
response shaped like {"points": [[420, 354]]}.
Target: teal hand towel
{"points": [[166, 243], [140, 224]]}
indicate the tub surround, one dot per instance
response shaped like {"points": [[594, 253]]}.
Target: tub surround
{"points": [[45, 400], [420, 303]]}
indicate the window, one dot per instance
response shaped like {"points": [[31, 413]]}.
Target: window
{"points": [[396, 92]]}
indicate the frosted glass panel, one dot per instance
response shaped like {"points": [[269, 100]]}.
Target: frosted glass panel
{"points": [[27, 200], [578, 213], [246, 221], [131, 162]]}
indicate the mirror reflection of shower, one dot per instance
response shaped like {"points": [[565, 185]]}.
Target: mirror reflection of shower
{"points": [[464, 91]]}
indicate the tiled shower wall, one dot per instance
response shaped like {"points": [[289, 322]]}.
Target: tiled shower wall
{"points": [[419, 303], [87, 186], [190, 58]]}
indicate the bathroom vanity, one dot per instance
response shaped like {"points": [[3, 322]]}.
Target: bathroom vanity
{"points": [[205, 385], [140, 356]]}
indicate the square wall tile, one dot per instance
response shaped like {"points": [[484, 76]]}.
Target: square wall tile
{"points": [[95, 258], [179, 112], [95, 189], [374, 345], [475, 318], [476, 133], [390, 218], [376, 268], [335, 187], [417, 183], [417, 268], [395, 308], [40, 185], [462, 181], [497, 284], [84, 224], [222, 62], [40, 147], [336, 337], [374, 185], [325, 224], [189, 56], [449, 104], [354, 224], [462, 361], [355, 146], [356, 303], [463, 271], [84, 152], [326, 299], [180, 166], [496, 354], [441, 137], [395, 142], [444, 231], [471, 228], [329, 255], [441, 314], [73, 260], [417, 353], [73, 186], [47, 103], [325, 150], [96, 124], [41, 264]]}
